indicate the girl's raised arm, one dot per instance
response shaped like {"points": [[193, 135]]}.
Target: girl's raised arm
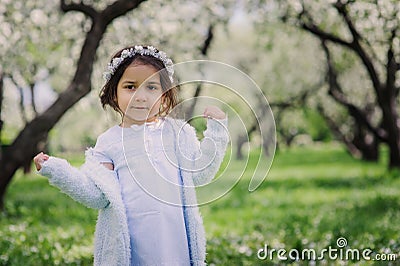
{"points": [[203, 158], [39, 160]]}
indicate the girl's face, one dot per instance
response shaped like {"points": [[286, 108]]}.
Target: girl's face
{"points": [[139, 96]]}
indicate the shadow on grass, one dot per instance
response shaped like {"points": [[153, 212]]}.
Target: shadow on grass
{"points": [[324, 183], [378, 213], [295, 183]]}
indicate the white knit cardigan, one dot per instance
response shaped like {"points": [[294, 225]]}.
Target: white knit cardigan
{"points": [[95, 186]]}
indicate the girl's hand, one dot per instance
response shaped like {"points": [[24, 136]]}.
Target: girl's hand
{"points": [[40, 159], [214, 112]]}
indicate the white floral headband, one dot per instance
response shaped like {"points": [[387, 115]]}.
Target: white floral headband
{"points": [[138, 49]]}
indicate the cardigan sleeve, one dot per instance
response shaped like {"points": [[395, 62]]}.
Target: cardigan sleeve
{"points": [[100, 150], [205, 156], [74, 182]]}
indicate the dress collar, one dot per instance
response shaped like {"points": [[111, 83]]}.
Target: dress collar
{"points": [[153, 125]]}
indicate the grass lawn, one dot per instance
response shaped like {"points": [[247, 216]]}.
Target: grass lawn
{"points": [[311, 197]]}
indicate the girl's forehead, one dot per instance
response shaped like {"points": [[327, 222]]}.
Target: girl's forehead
{"points": [[140, 72]]}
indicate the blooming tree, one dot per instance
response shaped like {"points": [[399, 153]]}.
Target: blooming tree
{"points": [[362, 55], [33, 136]]}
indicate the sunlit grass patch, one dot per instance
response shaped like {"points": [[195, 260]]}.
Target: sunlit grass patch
{"points": [[310, 198]]}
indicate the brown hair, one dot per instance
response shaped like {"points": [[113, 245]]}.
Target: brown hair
{"points": [[108, 94]]}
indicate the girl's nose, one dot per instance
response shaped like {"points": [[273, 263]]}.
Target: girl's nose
{"points": [[139, 95]]}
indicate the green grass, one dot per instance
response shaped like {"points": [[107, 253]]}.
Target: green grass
{"points": [[311, 197]]}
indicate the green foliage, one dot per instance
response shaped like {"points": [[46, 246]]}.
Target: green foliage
{"points": [[88, 141], [199, 125], [311, 197]]}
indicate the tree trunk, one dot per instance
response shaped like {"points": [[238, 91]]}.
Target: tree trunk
{"points": [[390, 123], [1, 128], [387, 102], [1, 105], [242, 139], [190, 110], [32, 138], [368, 146], [8, 169]]}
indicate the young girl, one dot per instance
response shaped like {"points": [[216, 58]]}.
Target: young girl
{"points": [[141, 174]]}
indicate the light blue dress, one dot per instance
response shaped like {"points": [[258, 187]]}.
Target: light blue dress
{"points": [[144, 159]]}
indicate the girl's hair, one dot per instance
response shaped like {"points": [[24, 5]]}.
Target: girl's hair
{"points": [[108, 94]]}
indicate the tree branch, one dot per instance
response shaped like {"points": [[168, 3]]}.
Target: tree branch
{"points": [[21, 104], [81, 7], [342, 9], [119, 8], [337, 94], [204, 51], [31, 88], [307, 23], [207, 42], [296, 100], [338, 133], [357, 47], [21, 99], [322, 35]]}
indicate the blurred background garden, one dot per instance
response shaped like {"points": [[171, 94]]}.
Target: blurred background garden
{"points": [[329, 70]]}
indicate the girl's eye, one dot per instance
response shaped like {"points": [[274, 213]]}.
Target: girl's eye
{"points": [[152, 88], [130, 87]]}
